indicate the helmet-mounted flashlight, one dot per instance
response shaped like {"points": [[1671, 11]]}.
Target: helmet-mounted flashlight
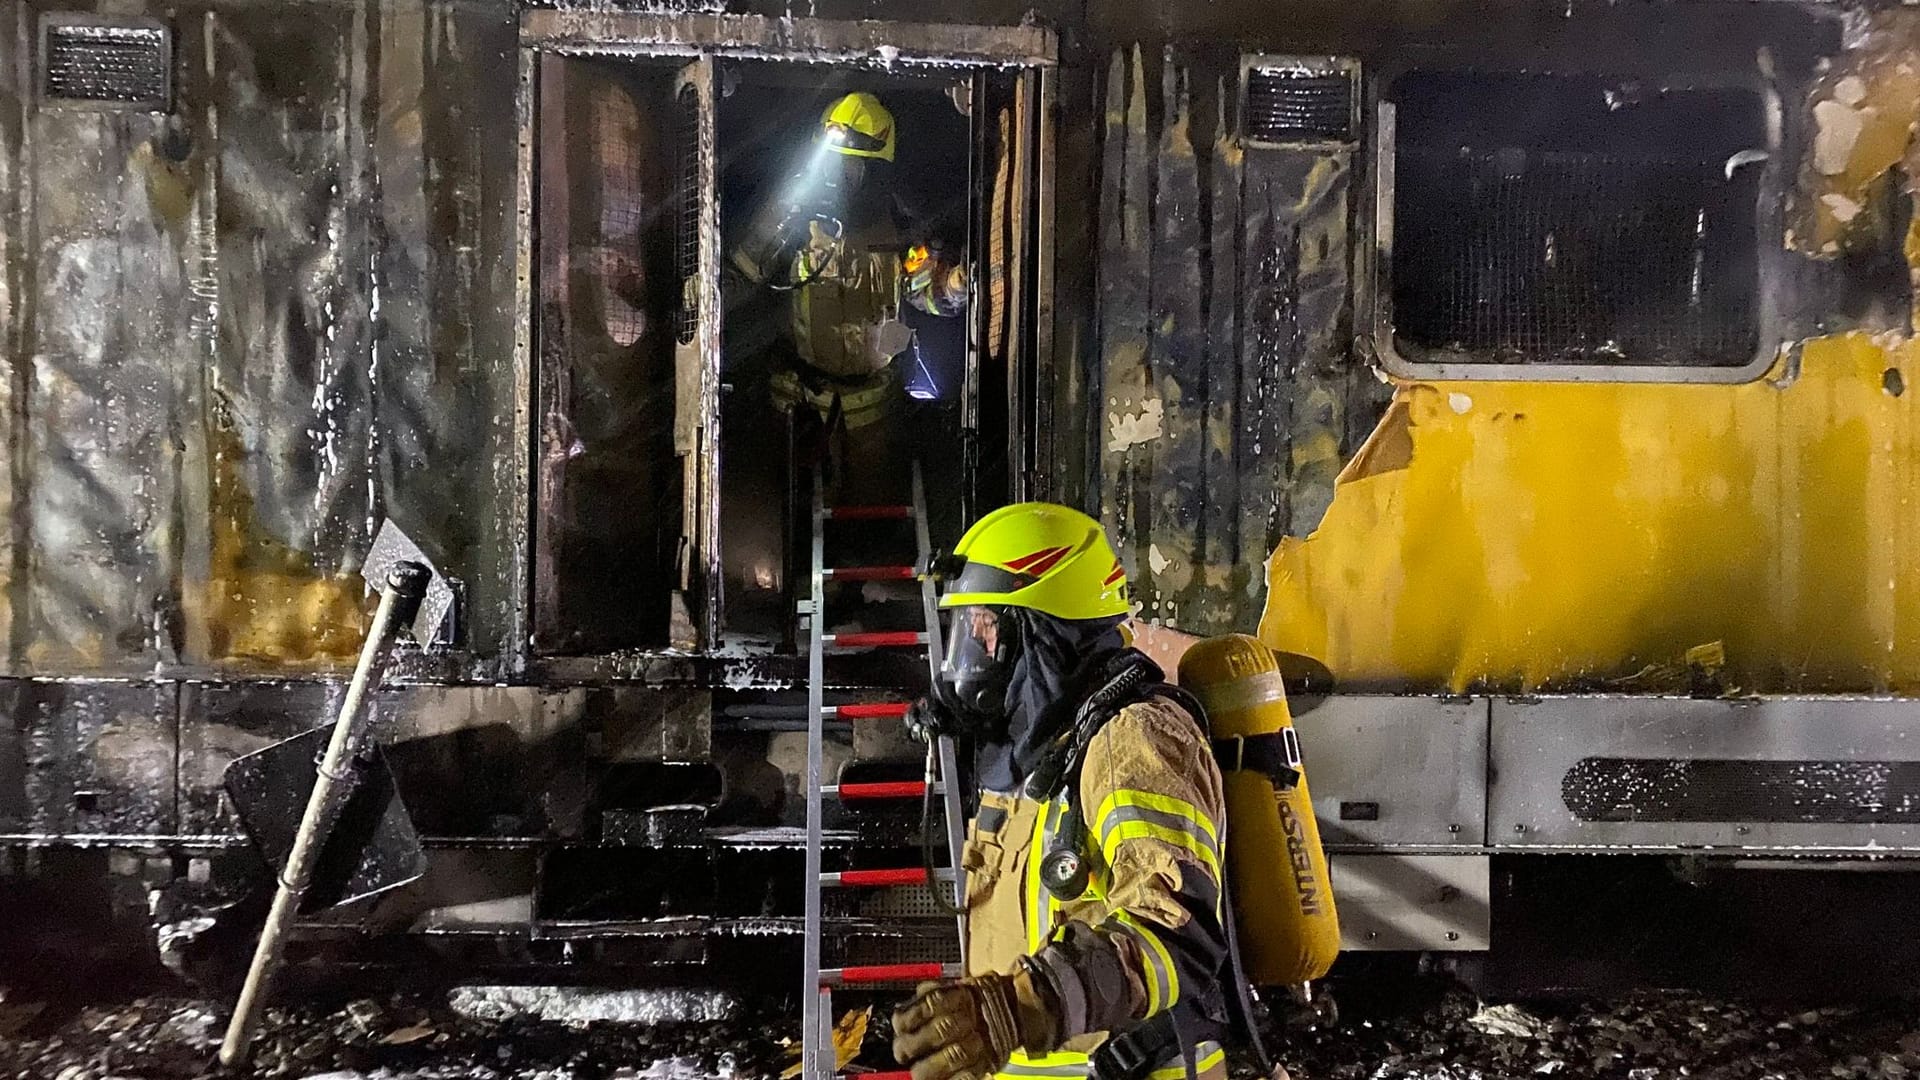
{"points": [[851, 138]]}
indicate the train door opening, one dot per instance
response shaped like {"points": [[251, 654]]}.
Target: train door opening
{"points": [[729, 293], [833, 357]]}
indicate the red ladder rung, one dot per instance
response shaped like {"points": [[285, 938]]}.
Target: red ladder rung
{"points": [[872, 879], [882, 789], [876, 638], [869, 573], [888, 973], [877, 710], [869, 513], [900, 1074]]}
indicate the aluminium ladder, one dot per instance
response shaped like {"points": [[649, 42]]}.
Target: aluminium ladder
{"points": [[941, 776]]}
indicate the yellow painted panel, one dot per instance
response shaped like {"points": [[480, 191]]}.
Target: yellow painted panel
{"points": [[265, 604], [1522, 535]]}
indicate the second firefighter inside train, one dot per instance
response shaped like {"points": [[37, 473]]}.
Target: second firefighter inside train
{"points": [[845, 249], [1094, 865]]}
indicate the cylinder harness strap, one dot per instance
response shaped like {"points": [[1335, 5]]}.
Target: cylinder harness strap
{"points": [[1275, 756]]}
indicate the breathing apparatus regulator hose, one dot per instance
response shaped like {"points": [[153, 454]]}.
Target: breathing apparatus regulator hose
{"points": [[941, 899]]}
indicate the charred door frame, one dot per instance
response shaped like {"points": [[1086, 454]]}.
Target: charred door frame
{"points": [[704, 37]]}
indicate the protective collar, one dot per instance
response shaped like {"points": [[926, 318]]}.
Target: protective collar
{"points": [[1057, 660]]}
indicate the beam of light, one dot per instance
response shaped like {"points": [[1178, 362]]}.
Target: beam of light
{"points": [[806, 185]]}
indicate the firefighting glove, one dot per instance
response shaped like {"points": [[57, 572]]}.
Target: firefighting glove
{"points": [[968, 1029], [927, 719], [821, 255]]}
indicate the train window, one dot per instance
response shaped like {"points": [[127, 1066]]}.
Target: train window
{"points": [[1550, 226]]}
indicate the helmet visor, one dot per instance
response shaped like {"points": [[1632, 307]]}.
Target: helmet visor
{"points": [[979, 660], [979, 577]]}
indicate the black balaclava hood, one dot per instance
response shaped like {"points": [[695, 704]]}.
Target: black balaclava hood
{"points": [[1049, 678]]}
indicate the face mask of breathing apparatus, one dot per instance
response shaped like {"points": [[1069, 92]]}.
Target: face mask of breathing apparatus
{"points": [[983, 644]]}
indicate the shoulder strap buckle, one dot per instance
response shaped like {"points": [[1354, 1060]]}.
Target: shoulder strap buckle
{"points": [[1131, 1054]]}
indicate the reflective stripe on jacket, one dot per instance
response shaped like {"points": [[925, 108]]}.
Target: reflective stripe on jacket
{"points": [[861, 403], [1154, 830]]}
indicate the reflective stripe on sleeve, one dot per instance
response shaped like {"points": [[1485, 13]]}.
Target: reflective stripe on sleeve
{"points": [[1161, 977], [1128, 815]]}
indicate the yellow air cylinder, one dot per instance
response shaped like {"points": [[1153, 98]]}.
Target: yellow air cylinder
{"points": [[1275, 864]]}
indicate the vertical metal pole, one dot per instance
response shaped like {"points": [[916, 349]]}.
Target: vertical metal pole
{"points": [[793, 505], [526, 548], [826, 1054], [405, 587], [1016, 361], [817, 1055], [1048, 376], [941, 752], [709, 333]]}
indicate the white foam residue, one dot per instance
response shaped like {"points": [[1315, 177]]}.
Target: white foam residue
{"points": [[1508, 1020], [1156, 561], [1844, 209], [1837, 127], [739, 677], [1127, 430], [577, 1005], [682, 1068], [431, 1073]]}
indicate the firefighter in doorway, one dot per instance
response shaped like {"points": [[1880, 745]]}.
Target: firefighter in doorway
{"points": [[1098, 941], [836, 242]]}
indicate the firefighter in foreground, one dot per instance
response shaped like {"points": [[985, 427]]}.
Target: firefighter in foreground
{"points": [[1094, 865], [835, 241]]}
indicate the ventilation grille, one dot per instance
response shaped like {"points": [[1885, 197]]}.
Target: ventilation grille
{"points": [[106, 65], [1299, 105], [1575, 258], [1598, 226], [686, 243], [1723, 790]]}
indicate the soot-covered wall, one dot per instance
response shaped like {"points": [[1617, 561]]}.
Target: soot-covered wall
{"points": [[1228, 388], [242, 333]]}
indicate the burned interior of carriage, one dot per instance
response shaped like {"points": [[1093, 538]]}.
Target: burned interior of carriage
{"points": [[673, 487], [674, 466]]}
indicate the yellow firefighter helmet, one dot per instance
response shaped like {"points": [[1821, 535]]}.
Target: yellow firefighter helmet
{"points": [[1041, 556], [857, 125]]}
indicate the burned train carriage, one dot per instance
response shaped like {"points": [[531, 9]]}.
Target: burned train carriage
{"points": [[1540, 375]]}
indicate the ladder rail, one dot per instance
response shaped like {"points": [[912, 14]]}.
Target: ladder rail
{"points": [[816, 1010], [942, 762], [941, 776]]}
